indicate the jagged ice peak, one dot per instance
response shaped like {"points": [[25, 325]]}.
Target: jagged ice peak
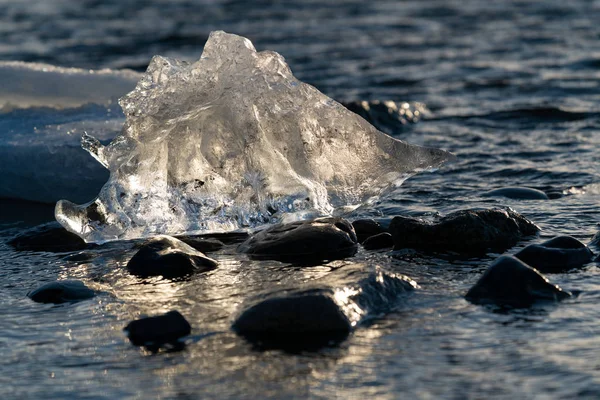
{"points": [[233, 141]]}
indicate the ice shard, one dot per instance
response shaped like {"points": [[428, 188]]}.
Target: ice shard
{"points": [[234, 140]]}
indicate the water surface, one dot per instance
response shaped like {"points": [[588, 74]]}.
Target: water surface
{"points": [[513, 89]]}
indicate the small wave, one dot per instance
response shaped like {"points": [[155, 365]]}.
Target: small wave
{"points": [[529, 114]]}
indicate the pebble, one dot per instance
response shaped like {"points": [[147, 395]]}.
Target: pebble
{"points": [[50, 237], [303, 241], [157, 331], [510, 282], [466, 231], [559, 254], [170, 258], [61, 292]]}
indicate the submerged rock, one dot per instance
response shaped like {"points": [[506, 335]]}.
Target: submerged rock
{"points": [[323, 312], [510, 282], [381, 241], [61, 292], [465, 231], [556, 255], [51, 237], [303, 241], [202, 244], [170, 258], [520, 193], [365, 228], [154, 332], [388, 116], [233, 141]]}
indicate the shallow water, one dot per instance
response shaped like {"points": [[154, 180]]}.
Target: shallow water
{"points": [[513, 90]]}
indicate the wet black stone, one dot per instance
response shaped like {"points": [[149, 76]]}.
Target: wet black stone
{"points": [[61, 292], [559, 254], [304, 321], [322, 312], [303, 241], [510, 282], [202, 244], [387, 116], [159, 330], [365, 228], [170, 258], [228, 237], [380, 241], [519, 193], [465, 231], [81, 257], [51, 237]]}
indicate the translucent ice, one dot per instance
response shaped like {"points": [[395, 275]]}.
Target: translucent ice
{"points": [[234, 140]]}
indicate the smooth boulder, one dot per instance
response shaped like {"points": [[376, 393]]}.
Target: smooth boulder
{"points": [[465, 231], [50, 237], [518, 193], [61, 292], [559, 254], [381, 241], [365, 228], [510, 282], [154, 332], [303, 241], [202, 244], [322, 312], [310, 319], [170, 258]]}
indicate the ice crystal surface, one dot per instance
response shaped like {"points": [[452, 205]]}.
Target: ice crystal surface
{"points": [[231, 141]]}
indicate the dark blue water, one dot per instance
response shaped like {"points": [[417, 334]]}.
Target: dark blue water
{"points": [[512, 88]]}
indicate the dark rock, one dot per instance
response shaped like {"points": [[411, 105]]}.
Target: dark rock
{"points": [[510, 282], [156, 331], [365, 228], [387, 116], [61, 292], [381, 241], [170, 258], [51, 237], [465, 231], [323, 312], [228, 237], [303, 241], [309, 319], [82, 257], [519, 193], [556, 255], [202, 244]]}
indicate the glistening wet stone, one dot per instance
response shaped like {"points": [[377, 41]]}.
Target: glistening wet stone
{"points": [[61, 292], [381, 241], [518, 193], [303, 241], [559, 254], [365, 228], [51, 237], [466, 231], [322, 312], [157, 331], [201, 243], [510, 282], [170, 258]]}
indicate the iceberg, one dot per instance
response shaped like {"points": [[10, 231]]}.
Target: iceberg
{"points": [[234, 141]]}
